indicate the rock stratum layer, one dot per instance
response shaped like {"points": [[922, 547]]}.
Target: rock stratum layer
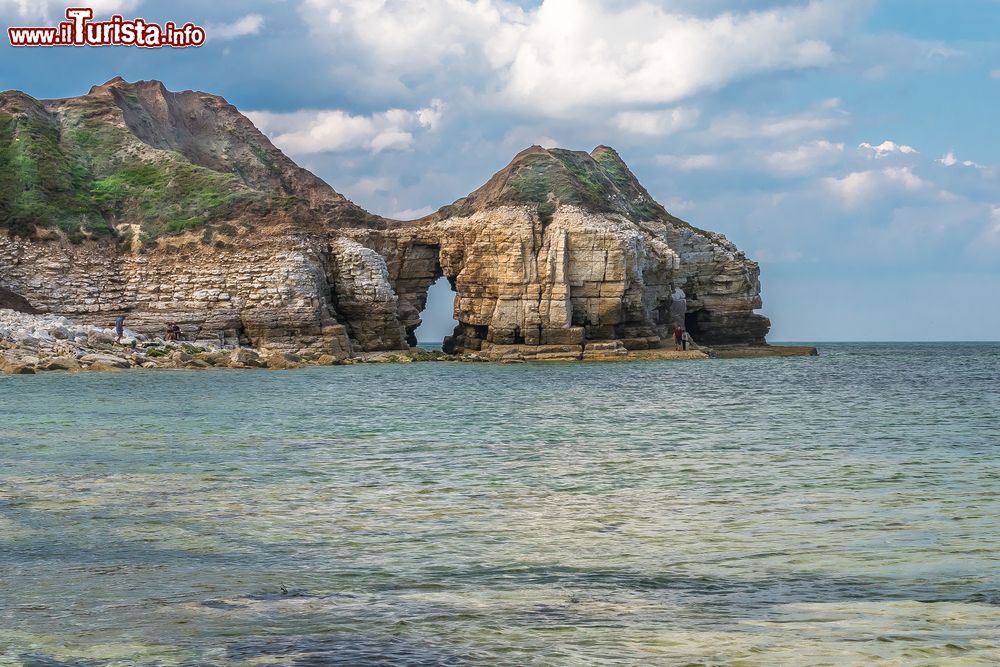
{"points": [[172, 207]]}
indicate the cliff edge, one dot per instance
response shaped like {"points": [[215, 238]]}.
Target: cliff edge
{"points": [[173, 208]]}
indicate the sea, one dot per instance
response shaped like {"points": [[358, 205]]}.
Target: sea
{"points": [[834, 510]]}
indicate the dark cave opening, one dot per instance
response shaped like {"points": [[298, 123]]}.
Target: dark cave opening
{"points": [[692, 325]]}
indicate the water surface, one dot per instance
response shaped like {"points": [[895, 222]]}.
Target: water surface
{"points": [[843, 509]]}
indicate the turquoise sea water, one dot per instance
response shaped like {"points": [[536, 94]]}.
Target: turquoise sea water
{"points": [[839, 510]]}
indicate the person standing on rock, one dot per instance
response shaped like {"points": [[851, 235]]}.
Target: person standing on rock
{"points": [[678, 337], [119, 328], [686, 340]]}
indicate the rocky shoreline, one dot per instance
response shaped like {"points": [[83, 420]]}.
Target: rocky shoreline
{"points": [[32, 344]]}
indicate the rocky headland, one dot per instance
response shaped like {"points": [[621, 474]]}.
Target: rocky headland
{"points": [[173, 208]]}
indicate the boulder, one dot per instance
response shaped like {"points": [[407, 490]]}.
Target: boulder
{"points": [[283, 360], [17, 362], [213, 358], [100, 362], [100, 339], [60, 364], [243, 357]]}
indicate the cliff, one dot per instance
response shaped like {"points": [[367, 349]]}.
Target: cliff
{"points": [[172, 207]]}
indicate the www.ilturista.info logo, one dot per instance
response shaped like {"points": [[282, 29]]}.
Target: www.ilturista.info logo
{"points": [[80, 30]]}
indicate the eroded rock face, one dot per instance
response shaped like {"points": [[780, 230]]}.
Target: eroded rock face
{"points": [[365, 298], [560, 248], [582, 276], [269, 291]]}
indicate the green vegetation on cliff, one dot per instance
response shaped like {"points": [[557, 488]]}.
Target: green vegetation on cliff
{"points": [[83, 175]]}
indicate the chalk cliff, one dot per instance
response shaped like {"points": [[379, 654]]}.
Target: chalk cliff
{"points": [[172, 207]]}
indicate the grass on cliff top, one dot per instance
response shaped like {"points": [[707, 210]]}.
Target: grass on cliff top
{"points": [[637, 200], [567, 179], [559, 176], [86, 176]]}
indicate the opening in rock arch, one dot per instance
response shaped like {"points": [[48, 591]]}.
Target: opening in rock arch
{"points": [[437, 319]]}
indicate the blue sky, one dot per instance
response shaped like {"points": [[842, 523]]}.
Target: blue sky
{"points": [[847, 145]]}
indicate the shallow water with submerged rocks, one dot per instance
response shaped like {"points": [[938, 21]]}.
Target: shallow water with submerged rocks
{"points": [[840, 509]]}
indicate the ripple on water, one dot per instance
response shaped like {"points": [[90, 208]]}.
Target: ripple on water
{"points": [[842, 509]]}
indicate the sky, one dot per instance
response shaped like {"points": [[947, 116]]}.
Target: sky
{"points": [[849, 146]]}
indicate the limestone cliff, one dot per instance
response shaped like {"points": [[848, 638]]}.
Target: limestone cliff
{"points": [[561, 247], [172, 207]]}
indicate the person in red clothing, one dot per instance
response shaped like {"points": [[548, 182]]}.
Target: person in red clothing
{"points": [[678, 337]]}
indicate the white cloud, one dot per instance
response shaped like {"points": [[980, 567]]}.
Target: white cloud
{"points": [[995, 74], [656, 123], [744, 126], [927, 225], [368, 186], [949, 160], [319, 131], [412, 213], [987, 242], [861, 187], [251, 24], [430, 117], [805, 158], [565, 56], [47, 10], [886, 148], [689, 162]]}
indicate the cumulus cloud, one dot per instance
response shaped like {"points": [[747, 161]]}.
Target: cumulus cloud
{"points": [[861, 187], [805, 158], [565, 56], [251, 24], [949, 160], [655, 123], [886, 148], [319, 131], [47, 10], [689, 162]]}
